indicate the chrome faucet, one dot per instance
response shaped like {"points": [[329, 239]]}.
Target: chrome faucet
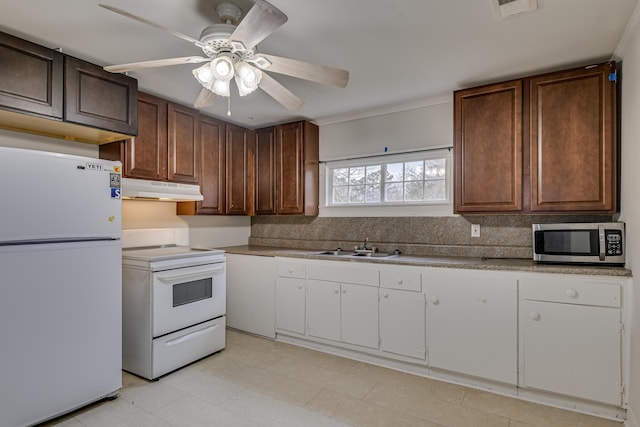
{"points": [[365, 248], [366, 242]]}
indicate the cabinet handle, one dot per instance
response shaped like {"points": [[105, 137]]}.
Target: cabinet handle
{"points": [[386, 295], [290, 270], [299, 286], [571, 293], [435, 300], [336, 291], [400, 282], [534, 315], [344, 291]]}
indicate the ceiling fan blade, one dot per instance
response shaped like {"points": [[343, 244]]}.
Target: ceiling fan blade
{"points": [[307, 71], [156, 63], [204, 99], [153, 24], [261, 20], [280, 93]]}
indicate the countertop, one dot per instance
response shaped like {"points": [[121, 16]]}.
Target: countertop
{"points": [[498, 264]]}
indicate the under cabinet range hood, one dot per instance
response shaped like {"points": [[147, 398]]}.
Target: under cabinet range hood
{"points": [[140, 189]]}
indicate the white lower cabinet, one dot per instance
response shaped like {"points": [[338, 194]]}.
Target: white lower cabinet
{"points": [[323, 309], [359, 313], [402, 323], [251, 294], [472, 319], [290, 295], [571, 337]]}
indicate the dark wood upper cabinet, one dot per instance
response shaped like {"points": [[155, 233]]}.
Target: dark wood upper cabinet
{"points": [[265, 154], [45, 92], [211, 164], [297, 168], [573, 144], [540, 144], [183, 144], [488, 148], [31, 77], [239, 171], [145, 156], [97, 98], [287, 169]]}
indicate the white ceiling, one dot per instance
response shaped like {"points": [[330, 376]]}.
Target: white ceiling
{"points": [[397, 51]]}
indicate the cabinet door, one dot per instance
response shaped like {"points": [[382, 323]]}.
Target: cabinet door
{"points": [[472, 323], [251, 294], [323, 309], [488, 148], [402, 323], [239, 175], [183, 140], [359, 315], [573, 147], [572, 350], [99, 99], [31, 77], [146, 154], [290, 304], [265, 151], [212, 166], [290, 167]]}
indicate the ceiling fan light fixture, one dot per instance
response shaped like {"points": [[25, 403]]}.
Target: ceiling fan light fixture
{"points": [[247, 78], [203, 75], [222, 68], [220, 87]]}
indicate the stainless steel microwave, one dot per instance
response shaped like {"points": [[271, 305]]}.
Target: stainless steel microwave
{"points": [[584, 243]]}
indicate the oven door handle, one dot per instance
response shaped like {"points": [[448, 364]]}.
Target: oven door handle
{"points": [[191, 335], [170, 278]]}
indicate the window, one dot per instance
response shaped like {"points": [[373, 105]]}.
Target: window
{"points": [[417, 178]]}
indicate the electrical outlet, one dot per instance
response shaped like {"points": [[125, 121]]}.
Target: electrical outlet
{"points": [[475, 230]]}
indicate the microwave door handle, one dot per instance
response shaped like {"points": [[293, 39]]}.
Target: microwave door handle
{"points": [[602, 241]]}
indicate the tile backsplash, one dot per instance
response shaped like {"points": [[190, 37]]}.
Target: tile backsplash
{"points": [[501, 236]]}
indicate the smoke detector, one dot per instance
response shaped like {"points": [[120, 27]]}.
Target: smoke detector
{"points": [[507, 8]]}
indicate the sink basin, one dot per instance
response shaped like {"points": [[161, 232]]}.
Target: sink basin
{"points": [[373, 255], [336, 252]]}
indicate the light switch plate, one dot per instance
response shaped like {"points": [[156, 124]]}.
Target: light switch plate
{"points": [[475, 230]]}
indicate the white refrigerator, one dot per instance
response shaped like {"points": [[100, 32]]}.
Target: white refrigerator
{"points": [[60, 284]]}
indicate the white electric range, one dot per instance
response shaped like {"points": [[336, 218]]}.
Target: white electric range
{"points": [[174, 306]]}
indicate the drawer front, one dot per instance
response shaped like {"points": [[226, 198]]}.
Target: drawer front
{"points": [[572, 291], [289, 268], [407, 279], [344, 272], [178, 349]]}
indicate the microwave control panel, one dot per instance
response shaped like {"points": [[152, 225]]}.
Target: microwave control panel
{"points": [[613, 242]]}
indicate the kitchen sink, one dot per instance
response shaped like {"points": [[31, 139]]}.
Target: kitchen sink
{"points": [[335, 252], [373, 255]]}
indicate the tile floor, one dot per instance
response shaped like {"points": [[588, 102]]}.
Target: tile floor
{"points": [[260, 382]]}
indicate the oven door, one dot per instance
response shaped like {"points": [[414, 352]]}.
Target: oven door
{"points": [[186, 296]]}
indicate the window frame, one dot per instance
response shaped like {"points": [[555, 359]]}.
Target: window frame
{"points": [[383, 161]]}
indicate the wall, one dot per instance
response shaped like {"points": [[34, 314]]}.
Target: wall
{"points": [[206, 231], [630, 203]]}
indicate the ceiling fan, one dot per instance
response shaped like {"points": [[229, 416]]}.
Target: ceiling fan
{"points": [[230, 53]]}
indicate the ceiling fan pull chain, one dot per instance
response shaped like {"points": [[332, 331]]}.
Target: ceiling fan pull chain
{"points": [[229, 105]]}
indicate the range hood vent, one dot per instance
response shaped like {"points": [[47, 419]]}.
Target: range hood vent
{"points": [[140, 189]]}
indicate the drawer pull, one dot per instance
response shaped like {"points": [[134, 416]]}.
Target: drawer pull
{"points": [[336, 291], [435, 300], [400, 282], [534, 315], [571, 293], [300, 286], [290, 270], [385, 295]]}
